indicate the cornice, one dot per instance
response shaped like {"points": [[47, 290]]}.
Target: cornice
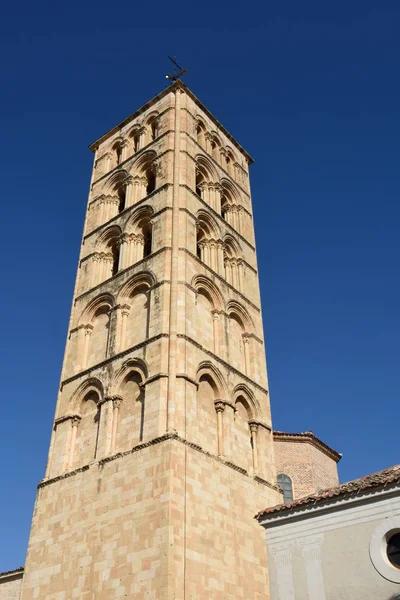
{"points": [[307, 438], [174, 437], [177, 85], [221, 279], [117, 356], [187, 338], [327, 506], [123, 271]]}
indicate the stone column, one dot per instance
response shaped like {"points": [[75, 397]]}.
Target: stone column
{"points": [[220, 407], [216, 331], [94, 270], [124, 251], [124, 150], [253, 433], [105, 428], [220, 251], [129, 192], [247, 354], [75, 420], [240, 264], [86, 344], [123, 314], [116, 404], [217, 197]]}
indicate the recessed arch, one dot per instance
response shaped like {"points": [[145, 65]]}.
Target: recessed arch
{"points": [[231, 246], [207, 169], [243, 391], [103, 301], [145, 279], [236, 310], [138, 217], [206, 368], [136, 365], [115, 181], [208, 224], [201, 283], [89, 385]]}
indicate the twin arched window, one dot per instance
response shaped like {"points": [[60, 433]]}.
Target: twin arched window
{"points": [[285, 483]]}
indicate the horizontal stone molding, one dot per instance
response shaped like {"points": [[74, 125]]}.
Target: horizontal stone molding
{"points": [[173, 436], [215, 274], [223, 362]]}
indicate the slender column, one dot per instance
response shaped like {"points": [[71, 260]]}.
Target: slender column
{"points": [[247, 361], [220, 407], [115, 419], [88, 333], [228, 271], [234, 273], [220, 250], [124, 252], [217, 197], [206, 249], [80, 347], [241, 274], [211, 195], [74, 423], [129, 192], [216, 328], [122, 318], [108, 161], [124, 150], [213, 256], [253, 433]]}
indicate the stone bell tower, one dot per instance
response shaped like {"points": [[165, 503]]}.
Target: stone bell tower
{"points": [[161, 451]]}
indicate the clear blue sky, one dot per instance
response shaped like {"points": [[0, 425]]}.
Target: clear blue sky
{"points": [[311, 90]]}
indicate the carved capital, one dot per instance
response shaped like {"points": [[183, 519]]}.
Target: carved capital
{"points": [[219, 405]]}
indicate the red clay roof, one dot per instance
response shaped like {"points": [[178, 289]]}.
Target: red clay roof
{"points": [[381, 478], [307, 436]]}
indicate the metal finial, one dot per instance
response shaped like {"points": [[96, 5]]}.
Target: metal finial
{"points": [[177, 70]]}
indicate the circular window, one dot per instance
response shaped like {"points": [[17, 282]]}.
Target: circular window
{"points": [[384, 548], [393, 550]]}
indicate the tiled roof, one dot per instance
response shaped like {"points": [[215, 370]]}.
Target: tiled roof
{"points": [[379, 479], [307, 436]]}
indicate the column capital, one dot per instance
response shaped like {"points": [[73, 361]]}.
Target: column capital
{"points": [[219, 405], [74, 419]]}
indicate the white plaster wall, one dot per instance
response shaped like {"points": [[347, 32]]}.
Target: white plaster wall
{"points": [[327, 556]]}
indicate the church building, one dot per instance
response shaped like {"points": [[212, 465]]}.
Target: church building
{"points": [[162, 449]]}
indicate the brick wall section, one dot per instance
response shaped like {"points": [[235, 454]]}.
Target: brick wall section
{"points": [[308, 466], [10, 586]]}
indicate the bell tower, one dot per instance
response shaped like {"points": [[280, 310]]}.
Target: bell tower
{"points": [[161, 451]]}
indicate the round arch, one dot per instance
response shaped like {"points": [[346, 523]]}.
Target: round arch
{"points": [[103, 300], [201, 283]]}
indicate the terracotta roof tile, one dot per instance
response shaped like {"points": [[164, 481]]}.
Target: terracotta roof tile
{"points": [[381, 478]]}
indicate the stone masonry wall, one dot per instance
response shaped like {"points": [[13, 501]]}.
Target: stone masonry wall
{"points": [[10, 587]]}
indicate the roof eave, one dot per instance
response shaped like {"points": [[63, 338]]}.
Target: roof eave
{"points": [[176, 85]]}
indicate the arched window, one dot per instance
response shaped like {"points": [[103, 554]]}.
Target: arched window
{"points": [[131, 414], [151, 181], [285, 483], [86, 441], [153, 128], [122, 197], [200, 132], [206, 414], [136, 141]]}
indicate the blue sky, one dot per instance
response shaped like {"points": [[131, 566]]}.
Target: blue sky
{"points": [[311, 90]]}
